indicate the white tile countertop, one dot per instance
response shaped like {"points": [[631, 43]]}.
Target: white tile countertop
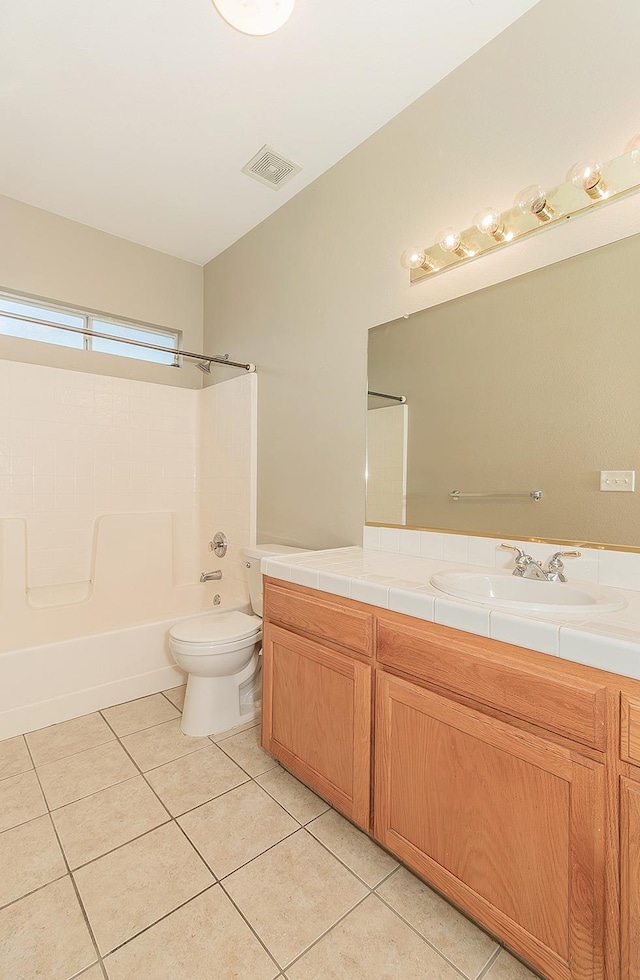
{"points": [[400, 582]]}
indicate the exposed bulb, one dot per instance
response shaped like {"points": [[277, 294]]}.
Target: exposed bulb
{"points": [[587, 177], [489, 222], [634, 149], [449, 241], [533, 200], [417, 258], [256, 17]]}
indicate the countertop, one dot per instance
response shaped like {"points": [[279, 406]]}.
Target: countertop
{"points": [[609, 641]]}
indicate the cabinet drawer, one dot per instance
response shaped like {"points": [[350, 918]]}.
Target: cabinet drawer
{"points": [[630, 730], [323, 619], [453, 661]]}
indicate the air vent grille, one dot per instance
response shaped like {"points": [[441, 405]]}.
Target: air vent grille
{"points": [[271, 168]]}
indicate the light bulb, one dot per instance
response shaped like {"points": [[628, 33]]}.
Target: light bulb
{"points": [[417, 258], [256, 17], [587, 177], [533, 200], [489, 222], [634, 148], [449, 241]]}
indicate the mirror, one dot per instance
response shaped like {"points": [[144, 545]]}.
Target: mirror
{"points": [[529, 385]]}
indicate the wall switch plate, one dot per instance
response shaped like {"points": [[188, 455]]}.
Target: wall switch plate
{"points": [[621, 480]]}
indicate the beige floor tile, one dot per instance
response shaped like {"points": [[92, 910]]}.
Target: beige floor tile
{"points": [[108, 819], [133, 716], [45, 935], [204, 939], [293, 893], [14, 757], [30, 857], [354, 848], [245, 749], [21, 799], [85, 773], [93, 973], [176, 696], [371, 942], [507, 967], [195, 778], [455, 936], [293, 795], [163, 743], [67, 738], [129, 889], [228, 732], [237, 827]]}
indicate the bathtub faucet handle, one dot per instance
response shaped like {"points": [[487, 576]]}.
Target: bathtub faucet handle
{"points": [[211, 576]]}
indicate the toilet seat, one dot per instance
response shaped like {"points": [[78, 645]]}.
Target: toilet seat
{"points": [[215, 633]]}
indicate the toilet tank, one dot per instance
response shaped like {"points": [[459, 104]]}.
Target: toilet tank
{"points": [[253, 560]]}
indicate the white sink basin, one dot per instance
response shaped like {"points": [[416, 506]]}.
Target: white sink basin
{"points": [[502, 588]]}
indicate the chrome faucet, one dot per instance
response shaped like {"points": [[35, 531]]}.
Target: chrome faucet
{"points": [[528, 567], [211, 576]]}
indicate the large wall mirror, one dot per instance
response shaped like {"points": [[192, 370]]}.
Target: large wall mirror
{"points": [[532, 385]]}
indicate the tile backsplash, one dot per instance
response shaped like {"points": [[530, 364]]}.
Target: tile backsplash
{"points": [[618, 569]]}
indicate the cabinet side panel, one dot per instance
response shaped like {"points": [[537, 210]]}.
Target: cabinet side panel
{"points": [[630, 878]]}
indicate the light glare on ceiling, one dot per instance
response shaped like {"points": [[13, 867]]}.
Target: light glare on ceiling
{"points": [[257, 17]]}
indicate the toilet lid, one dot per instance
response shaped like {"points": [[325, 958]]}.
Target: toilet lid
{"points": [[216, 627]]}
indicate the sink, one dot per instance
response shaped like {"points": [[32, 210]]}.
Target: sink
{"points": [[502, 588]]}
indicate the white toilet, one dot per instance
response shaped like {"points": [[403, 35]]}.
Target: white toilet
{"points": [[220, 653]]}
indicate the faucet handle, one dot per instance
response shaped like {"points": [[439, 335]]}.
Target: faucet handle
{"points": [[511, 547], [556, 558]]}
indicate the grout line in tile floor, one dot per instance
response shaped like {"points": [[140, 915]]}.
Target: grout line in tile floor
{"points": [[485, 969], [64, 858]]}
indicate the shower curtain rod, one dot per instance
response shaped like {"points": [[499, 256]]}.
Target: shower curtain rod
{"points": [[394, 398], [204, 361]]}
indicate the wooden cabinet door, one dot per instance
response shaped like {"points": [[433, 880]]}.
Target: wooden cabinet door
{"points": [[507, 825], [630, 877], [316, 718]]}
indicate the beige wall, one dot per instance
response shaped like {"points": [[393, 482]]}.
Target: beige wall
{"points": [[42, 254], [298, 293]]}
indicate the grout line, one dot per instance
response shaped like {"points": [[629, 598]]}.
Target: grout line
{"points": [[428, 941], [340, 861], [71, 755], [485, 969], [326, 932], [66, 862], [250, 927]]}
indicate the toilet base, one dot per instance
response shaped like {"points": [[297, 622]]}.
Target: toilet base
{"points": [[212, 704]]}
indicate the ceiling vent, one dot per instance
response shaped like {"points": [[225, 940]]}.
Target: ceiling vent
{"points": [[271, 168]]}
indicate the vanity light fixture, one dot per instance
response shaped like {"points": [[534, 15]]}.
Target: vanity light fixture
{"points": [[449, 240], [588, 177], [255, 17], [634, 148], [417, 258], [533, 200], [588, 185], [489, 222]]}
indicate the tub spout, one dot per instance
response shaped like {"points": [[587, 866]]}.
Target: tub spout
{"points": [[211, 576]]}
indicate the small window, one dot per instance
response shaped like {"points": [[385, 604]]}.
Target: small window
{"points": [[129, 332], [11, 326], [34, 321]]}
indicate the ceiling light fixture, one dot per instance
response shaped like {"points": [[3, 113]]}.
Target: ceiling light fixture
{"points": [[255, 17], [534, 210]]}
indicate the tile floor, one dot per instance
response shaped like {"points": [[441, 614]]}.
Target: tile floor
{"points": [[131, 852]]}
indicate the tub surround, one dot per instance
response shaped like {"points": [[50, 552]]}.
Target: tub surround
{"points": [[394, 569]]}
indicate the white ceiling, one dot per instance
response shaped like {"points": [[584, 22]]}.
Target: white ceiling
{"points": [[136, 116]]}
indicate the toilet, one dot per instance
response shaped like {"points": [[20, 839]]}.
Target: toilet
{"points": [[219, 651]]}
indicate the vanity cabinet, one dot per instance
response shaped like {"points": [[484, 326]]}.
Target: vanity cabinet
{"points": [[507, 824], [317, 698], [507, 779]]}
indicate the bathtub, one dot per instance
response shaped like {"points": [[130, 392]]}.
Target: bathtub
{"points": [[66, 652]]}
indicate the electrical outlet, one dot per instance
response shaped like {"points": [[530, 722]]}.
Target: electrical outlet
{"points": [[623, 481]]}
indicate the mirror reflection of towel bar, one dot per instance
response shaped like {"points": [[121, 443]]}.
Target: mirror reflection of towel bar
{"points": [[533, 494]]}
